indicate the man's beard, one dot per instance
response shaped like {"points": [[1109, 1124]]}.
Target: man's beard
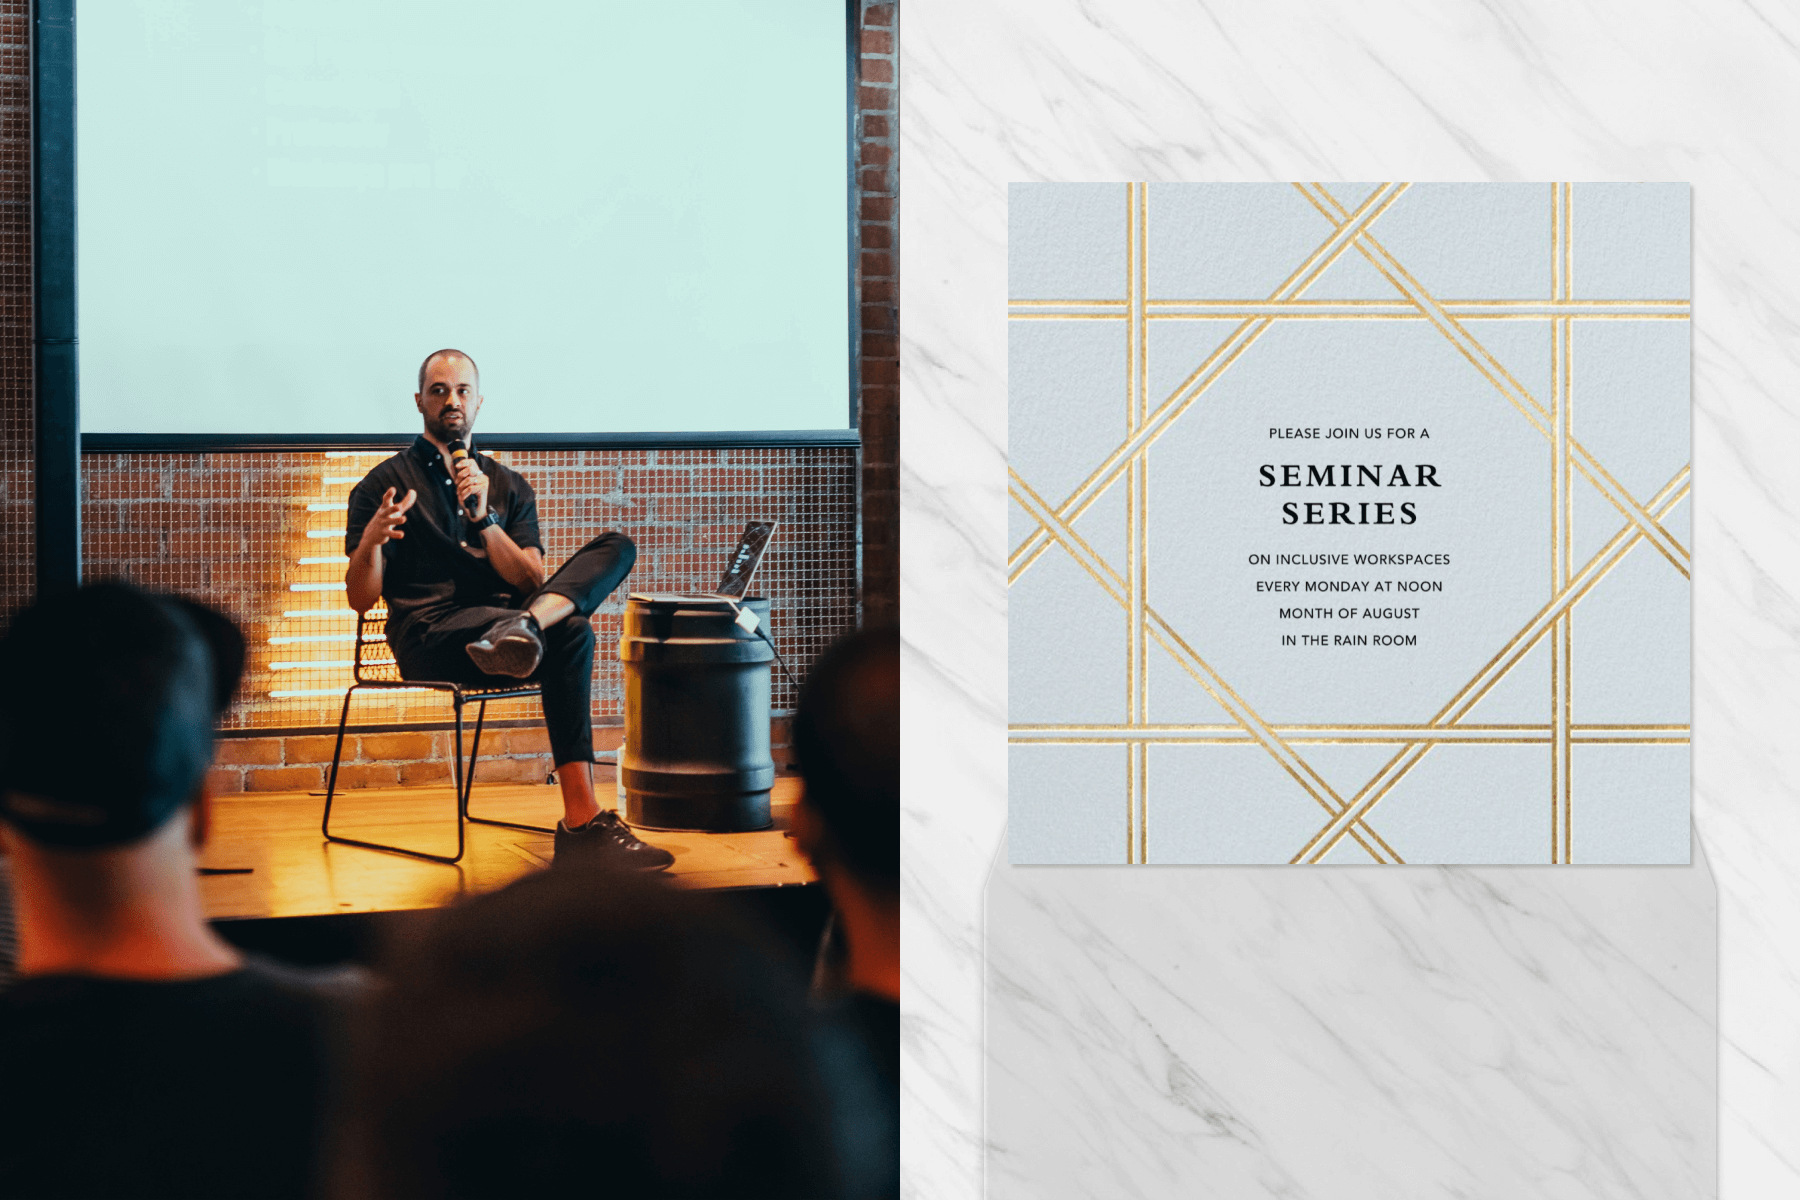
{"points": [[447, 433]]}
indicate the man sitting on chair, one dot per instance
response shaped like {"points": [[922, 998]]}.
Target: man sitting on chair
{"points": [[466, 597]]}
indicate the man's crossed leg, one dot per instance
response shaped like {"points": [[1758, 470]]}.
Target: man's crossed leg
{"points": [[551, 640]]}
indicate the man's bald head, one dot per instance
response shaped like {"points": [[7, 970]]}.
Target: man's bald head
{"points": [[447, 353], [449, 395]]}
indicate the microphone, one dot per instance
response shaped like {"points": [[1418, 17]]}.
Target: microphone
{"points": [[458, 452]]}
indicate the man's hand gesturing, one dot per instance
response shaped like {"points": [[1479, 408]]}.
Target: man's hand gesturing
{"points": [[385, 524]]}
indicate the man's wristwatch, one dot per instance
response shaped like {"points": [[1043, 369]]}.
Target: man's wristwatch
{"points": [[492, 518]]}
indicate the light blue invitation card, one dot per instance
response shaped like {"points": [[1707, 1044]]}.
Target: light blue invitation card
{"points": [[1349, 523]]}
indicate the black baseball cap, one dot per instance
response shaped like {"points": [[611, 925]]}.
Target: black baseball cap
{"points": [[108, 695]]}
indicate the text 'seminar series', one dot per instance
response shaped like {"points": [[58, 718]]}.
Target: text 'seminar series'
{"points": [[1318, 631]]}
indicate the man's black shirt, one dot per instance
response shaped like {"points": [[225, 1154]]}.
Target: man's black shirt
{"points": [[432, 569], [204, 1087]]}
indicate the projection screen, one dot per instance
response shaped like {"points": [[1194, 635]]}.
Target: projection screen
{"points": [[634, 216]]}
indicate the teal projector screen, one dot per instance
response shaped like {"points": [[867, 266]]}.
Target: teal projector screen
{"points": [[634, 216]]}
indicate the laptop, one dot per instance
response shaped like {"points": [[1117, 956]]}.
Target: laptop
{"points": [[740, 568]]}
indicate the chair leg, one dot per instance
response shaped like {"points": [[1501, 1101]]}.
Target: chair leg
{"points": [[480, 716], [466, 774], [336, 754], [331, 790]]}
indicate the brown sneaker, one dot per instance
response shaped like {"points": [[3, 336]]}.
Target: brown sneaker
{"points": [[607, 841], [512, 646]]}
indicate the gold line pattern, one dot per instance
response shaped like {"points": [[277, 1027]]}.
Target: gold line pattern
{"points": [[1341, 310], [1242, 739], [1197, 668], [1559, 530], [1595, 569], [1030, 727], [1478, 355], [1141, 466], [1054, 525], [1571, 305], [1204, 376], [1565, 484], [1558, 581], [1134, 617]]}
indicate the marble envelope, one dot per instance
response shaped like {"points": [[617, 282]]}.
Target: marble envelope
{"points": [[1453, 1031]]}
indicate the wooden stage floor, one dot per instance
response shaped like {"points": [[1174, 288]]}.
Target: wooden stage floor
{"points": [[295, 872]]}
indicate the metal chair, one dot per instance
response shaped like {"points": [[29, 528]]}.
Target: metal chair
{"points": [[375, 669]]}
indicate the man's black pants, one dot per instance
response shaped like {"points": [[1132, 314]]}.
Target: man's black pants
{"points": [[567, 673]]}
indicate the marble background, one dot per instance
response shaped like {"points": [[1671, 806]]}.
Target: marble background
{"points": [[1001, 90], [1352, 1034]]}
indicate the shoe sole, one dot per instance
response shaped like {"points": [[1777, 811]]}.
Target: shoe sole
{"points": [[605, 864], [515, 657]]}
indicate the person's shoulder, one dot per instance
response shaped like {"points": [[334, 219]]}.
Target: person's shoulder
{"points": [[33, 994], [36, 1009], [307, 985], [256, 977], [30, 992]]}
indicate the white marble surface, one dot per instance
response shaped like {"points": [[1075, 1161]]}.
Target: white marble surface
{"points": [[1001, 90], [1355, 1033]]}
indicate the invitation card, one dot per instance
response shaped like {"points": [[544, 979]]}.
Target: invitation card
{"points": [[1349, 523]]}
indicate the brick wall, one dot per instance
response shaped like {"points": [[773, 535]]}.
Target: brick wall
{"points": [[236, 530], [17, 450], [299, 762], [878, 181], [232, 529]]}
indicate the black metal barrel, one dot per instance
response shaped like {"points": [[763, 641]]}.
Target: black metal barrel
{"points": [[696, 752]]}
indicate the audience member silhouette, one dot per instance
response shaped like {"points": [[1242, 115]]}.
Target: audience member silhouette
{"points": [[847, 740], [142, 1055], [589, 1033], [582, 1032]]}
